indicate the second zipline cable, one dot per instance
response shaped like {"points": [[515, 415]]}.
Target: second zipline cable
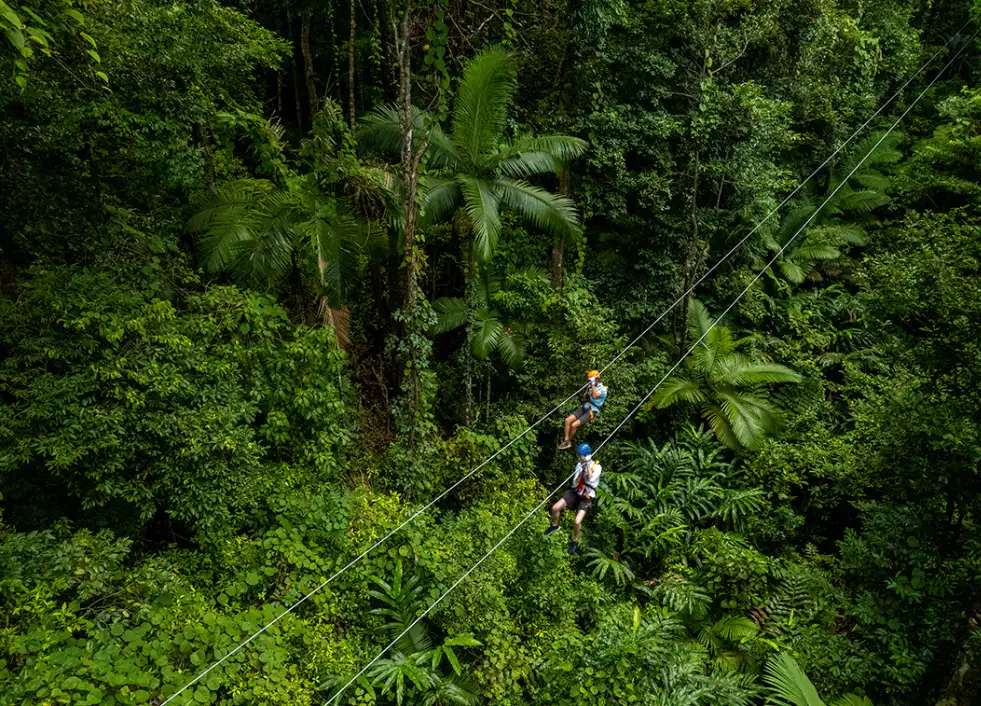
{"points": [[653, 389]]}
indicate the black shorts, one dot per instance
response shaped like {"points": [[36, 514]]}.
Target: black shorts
{"points": [[582, 414], [574, 501]]}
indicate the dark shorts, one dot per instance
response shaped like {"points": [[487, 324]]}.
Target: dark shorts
{"points": [[574, 501], [582, 414]]}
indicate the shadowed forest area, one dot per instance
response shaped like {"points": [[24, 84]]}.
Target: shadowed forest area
{"points": [[279, 279]]}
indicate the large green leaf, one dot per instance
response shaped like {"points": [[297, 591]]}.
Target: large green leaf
{"points": [[482, 101], [788, 684], [678, 389], [480, 200], [451, 313], [439, 198], [488, 330], [555, 215]]}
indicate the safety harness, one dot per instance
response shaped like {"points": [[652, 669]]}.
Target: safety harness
{"points": [[581, 483]]}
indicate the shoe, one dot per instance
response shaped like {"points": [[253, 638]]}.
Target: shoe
{"points": [[573, 546], [565, 445], [551, 528]]}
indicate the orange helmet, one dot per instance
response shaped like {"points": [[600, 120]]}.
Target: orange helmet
{"points": [[593, 374]]}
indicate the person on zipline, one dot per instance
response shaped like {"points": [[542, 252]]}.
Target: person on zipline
{"points": [[592, 400], [579, 498]]}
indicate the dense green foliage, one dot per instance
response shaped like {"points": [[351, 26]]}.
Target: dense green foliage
{"points": [[259, 304]]}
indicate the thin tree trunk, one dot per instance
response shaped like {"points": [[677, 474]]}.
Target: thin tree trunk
{"points": [[468, 379], [691, 255], [308, 63], [350, 65], [296, 79], [558, 245], [964, 686], [470, 275], [412, 155], [279, 94], [411, 158], [296, 284]]}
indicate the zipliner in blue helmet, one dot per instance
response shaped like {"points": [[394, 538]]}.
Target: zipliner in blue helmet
{"points": [[579, 498]]}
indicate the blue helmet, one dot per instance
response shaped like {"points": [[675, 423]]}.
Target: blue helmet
{"points": [[584, 450]]}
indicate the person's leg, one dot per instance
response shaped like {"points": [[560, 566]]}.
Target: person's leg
{"points": [[568, 425], [571, 431], [577, 528], [557, 509]]}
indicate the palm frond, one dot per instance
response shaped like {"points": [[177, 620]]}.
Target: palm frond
{"points": [[852, 700], [788, 684], [735, 628], [481, 202], [539, 155], [793, 222], [482, 100], [488, 330], [872, 179], [861, 202], [439, 198], [850, 233], [678, 389], [451, 313], [556, 215], [511, 348], [699, 319], [336, 240], [747, 373], [814, 251], [719, 422], [526, 164], [562, 147], [381, 130], [883, 153], [747, 419], [230, 217], [793, 271]]}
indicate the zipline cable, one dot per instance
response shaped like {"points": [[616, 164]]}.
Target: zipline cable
{"points": [[557, 407], [659, 383]]}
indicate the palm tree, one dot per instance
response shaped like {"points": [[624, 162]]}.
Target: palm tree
{"points": [[479, 171], [412, 672], [290, 226], [489, 328], [262, 234], [493, 330], [789, 686], [839, 223], [727, 386]]}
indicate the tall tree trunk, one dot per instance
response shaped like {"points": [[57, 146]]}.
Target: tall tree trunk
{"points": [[691, 259], [411, 158], [412, 155], [350, 65], [488, 400], [308, 63], [296, 78], [296, 285], [558, 245], [964, 686], [470, 275]]}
